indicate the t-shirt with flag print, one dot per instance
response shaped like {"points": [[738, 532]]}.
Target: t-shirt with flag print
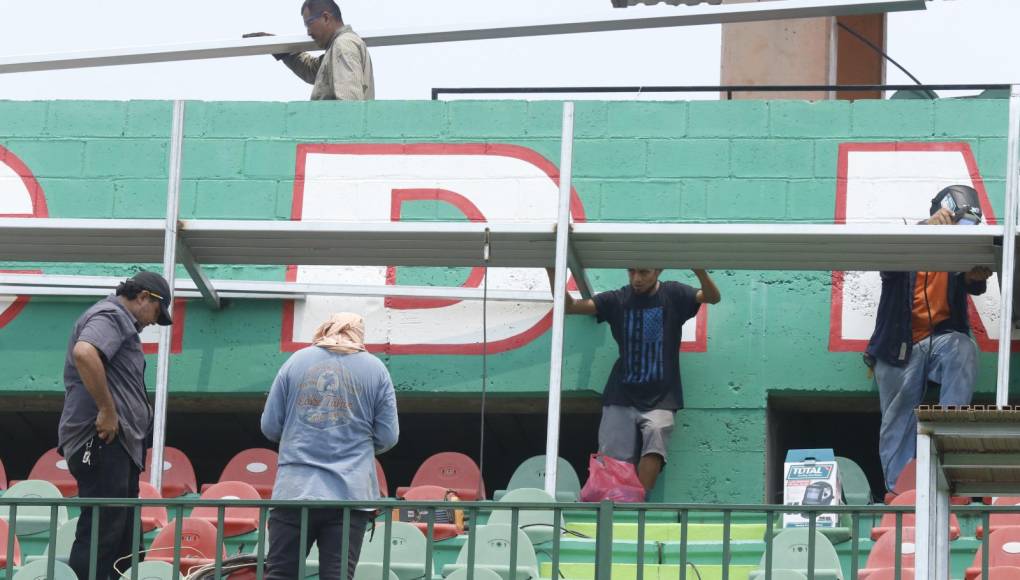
{"points": [[647, 329]]}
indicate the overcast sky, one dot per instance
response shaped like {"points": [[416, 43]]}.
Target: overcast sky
{"points": [[954, 41]]}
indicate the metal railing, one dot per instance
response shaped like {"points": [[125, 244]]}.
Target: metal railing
{"points": [[601, 549]]}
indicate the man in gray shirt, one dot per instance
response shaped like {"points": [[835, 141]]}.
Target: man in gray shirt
{"points": [[344, 71], [107, 417]]}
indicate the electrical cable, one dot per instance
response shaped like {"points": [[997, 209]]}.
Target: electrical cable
{"points": [[931, 94], [485, 364]]}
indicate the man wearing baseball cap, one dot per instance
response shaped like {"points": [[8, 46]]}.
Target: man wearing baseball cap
{"points": [[107, 416]]}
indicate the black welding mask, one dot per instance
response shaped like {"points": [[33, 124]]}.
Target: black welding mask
{"points": [[962, 201], [818, 493]]}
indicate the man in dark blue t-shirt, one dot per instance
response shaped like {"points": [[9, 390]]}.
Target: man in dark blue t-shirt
{"points": [[644, 391]]}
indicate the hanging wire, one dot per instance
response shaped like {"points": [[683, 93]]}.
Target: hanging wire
{"points": [[485, 363]]}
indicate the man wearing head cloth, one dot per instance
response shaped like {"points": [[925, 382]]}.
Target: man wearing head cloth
{"points": [[332, 408], [107, 416]]}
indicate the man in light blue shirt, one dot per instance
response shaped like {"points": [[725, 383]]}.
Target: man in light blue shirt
{"points": [[333, 409]]}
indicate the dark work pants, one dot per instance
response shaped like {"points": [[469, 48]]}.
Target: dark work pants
{"points": [[325, 527], [114, 476]]}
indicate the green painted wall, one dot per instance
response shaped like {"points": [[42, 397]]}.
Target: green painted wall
{"points": [[748, 161]]}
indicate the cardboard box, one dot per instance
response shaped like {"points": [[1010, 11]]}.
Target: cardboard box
{"points": [[811, 477]]}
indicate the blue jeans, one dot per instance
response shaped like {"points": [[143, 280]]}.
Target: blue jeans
{"points": [[953, 365]]}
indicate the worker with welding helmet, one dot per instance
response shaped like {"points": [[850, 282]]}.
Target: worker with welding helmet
{"points": [[922, 336]]}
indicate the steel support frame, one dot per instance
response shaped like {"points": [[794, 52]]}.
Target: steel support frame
{"points": [[173, 193], [559, 290], [692, 16], [1008, 267], [205, 286]]}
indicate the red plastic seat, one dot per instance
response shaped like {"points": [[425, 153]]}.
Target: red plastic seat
{"points": [[440, 531], [1001, 573], [449, 470], [236, 520], [908, 481], [198, 544], [153, 516], [178, 474], [909, 498], [384, 488], [996, 521], [3, 546], [883, 554], [256, 467], [890, 574], [1003, 551], [52, 467]]}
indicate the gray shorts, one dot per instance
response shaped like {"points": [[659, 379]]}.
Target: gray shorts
{"points": [[628, 434]]}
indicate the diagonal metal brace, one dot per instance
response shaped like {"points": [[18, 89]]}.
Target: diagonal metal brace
{"points": [[577, 269], [202, 282]]}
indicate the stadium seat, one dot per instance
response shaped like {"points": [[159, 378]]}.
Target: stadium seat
{"points": [[236, 520], [480, 574], [492, 551], [33, 519], [36, 570], [908, 481], [890, 574], [440, 530], [531, 473], [153, 570], [372, 571], [198, 544], [790, 552], [407, 550], [537, 524], [996, 521], [4, 538], [256, 467], [450, 470], [52, 467], [3, 477], [1003, 551], [1001, 573], [178, 473], [154, 517], [853, 482], [380, 475], [62, 543], [909, 498], [883, 554]]}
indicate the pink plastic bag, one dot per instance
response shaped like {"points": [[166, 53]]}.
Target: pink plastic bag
{"points": [[611, 479]]}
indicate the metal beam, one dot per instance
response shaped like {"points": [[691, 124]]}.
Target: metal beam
{"points": [[984, 460], [205, 286], [1008, 268], [580, 274], [692, 16]]}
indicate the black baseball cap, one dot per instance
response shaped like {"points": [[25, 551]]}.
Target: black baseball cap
{"points": [[158, 287]]}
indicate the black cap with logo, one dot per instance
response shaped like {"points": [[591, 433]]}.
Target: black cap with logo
{"points": [[158, 287]]}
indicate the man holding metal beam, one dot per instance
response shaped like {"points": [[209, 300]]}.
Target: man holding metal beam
{"points": [[344, 71], [643, 391]]}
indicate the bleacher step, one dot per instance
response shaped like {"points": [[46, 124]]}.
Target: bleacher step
{"points": [[662, 532], [651, 572]]}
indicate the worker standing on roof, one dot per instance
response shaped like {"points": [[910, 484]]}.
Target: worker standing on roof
{"points": [[333, 409], [344, 71], [922, 335], [107, 415], [643, 392]]}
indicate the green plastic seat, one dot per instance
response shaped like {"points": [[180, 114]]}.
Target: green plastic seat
{"points": [[480, 574], [64, 541], [407, 550], [790, 552], [37, 571], [856, 489], [537, 524], [492, 551], [153, 570], [531, 473], [33, 519], [372, 571]]}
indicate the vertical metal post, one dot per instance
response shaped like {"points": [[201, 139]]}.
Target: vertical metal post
{"points": [[559, 290], [604, 541], [173, 194], [925, 508], [1008, 247]]}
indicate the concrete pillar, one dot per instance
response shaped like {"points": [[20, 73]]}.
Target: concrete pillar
{"points": [[807, 51]]}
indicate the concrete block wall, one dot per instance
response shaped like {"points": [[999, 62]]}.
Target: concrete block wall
{"points": [[703, 161]]}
